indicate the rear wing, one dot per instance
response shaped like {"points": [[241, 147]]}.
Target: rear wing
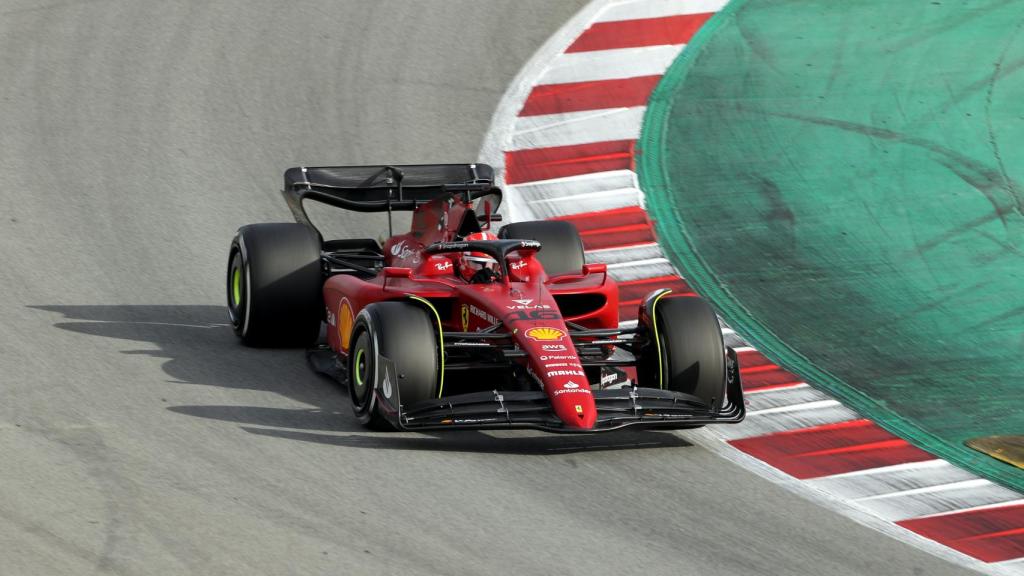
{"points": [[384, 188]]}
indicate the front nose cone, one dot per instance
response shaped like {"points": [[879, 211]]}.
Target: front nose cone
{"points": [[579, 413]]}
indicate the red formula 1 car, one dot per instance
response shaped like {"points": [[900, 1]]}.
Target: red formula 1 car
{"points": [[451, 326]]}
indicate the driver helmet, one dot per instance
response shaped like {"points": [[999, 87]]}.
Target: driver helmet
{"points": [[472, 262]]}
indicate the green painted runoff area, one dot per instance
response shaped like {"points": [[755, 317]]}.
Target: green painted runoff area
{"points": [[845, 181]]}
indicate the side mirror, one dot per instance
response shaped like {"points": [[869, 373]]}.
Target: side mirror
{"points": [[395, 272]]}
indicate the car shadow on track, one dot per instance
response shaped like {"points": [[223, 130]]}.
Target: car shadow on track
{"points": [[200, 349]]}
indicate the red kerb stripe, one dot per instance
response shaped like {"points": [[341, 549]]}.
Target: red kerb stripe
{"points": [[616, 228], [594, 95], [563, 161], [593, 221], [637, 289], [832, 449], [775, 378], [752, 358], [990, 534], [642, 32], [632, 292]]}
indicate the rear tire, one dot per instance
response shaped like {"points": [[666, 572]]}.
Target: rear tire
{"points": [[561, 250], [274, 285], [395, 350], [692, 350]]}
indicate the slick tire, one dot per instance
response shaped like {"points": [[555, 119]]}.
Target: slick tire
{"points": [[561, 250], [692, 357], [274, 285], [394, 361]]}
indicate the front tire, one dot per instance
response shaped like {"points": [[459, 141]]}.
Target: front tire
{"points": [[692, 352], [395, 361], [274, 285]]}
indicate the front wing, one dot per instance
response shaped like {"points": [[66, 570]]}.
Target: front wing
{"points": [[616, 409]]}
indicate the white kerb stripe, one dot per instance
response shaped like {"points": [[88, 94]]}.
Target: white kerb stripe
{"points": [[816, 405], [782, 399], [895, 468], [610, 64], [972, 483], [770, 389], [1008, 503], [573, 128], [637, 9], [607, 200], [784, 421], [578, 184], [625, 255], [936, 499]]}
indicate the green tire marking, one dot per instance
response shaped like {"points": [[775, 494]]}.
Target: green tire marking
{"points": [[358, 372], [236, 286]]}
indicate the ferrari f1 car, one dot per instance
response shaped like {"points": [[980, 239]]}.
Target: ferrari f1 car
{"points": [[451, 326]]}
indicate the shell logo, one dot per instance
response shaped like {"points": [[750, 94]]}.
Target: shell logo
{"points": [[545, 334], [345, 322]]}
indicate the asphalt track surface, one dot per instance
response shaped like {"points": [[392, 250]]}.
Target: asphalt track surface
{"points": [[138, 437]]}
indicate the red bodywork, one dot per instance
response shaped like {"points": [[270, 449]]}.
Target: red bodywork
{"points": [[525, 303]]}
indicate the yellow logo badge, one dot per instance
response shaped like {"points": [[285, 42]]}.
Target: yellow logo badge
{"points": [[345, 322], [545, 334], [465, 318]]}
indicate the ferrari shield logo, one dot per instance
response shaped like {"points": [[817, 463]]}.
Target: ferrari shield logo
{"points": [[465, 318]]}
